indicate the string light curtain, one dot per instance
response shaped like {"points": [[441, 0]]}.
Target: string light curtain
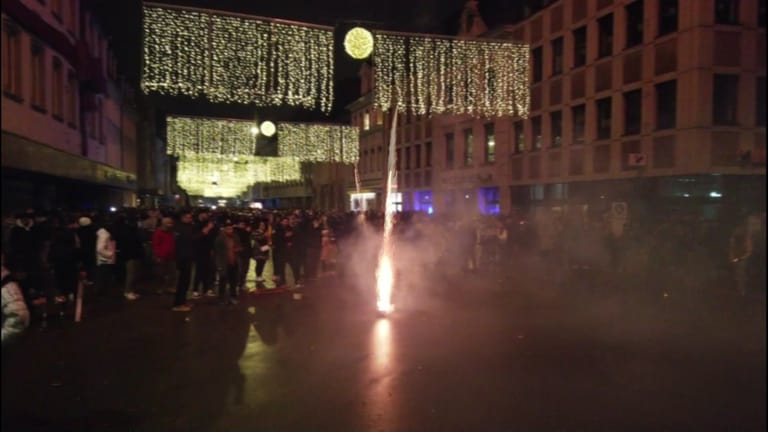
{"points": [[200, 135], [424, 75], [318, 143], [216, 175], [236, 59]]}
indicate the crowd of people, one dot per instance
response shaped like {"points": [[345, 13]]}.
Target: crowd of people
{"points": [[193, 253]]}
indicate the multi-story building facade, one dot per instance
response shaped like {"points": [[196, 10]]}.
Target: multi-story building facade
{"points": [[413, 159], [658, 105], [65, 128]]}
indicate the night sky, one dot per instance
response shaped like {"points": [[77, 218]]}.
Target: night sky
{"points": [[122, 20]]}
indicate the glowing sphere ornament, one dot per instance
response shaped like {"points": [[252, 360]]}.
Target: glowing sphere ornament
{"points": [[268, 128], [358, 43]]}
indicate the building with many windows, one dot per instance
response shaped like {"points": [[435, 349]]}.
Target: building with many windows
{"points": [[69, 137], [656, 105]]}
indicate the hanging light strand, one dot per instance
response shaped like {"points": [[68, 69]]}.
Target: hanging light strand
{"points": [[318, 143], [236, 59], [426, 75]]}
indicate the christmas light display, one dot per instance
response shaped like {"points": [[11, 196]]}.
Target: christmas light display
{"points": [[216, 175], [318, 143], [200, 135], [238, 59], [426, 75]]}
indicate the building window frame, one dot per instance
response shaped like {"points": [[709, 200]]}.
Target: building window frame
{"points": [[725, 90], [536, 133], [450, 149], [57, 89], [537, 60], [634, 28], [556, 129], [490, 143], [72, 91], [469, 147], [603, 109], [666, 104], [519, 130], [556, 46], [605, 36], [11, 62], [578, 123], [726, 12], [37, 63], [580, 46], [668, 16], [633, 112]]}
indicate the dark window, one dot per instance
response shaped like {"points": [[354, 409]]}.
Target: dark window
{"points": [[580, 46], [633, 105], [38, 75], [519, 137], [667, 16], [57, 90], [634, 13], [666, 105], [761, 13], [557, 56], [556, 128], [469, 148], [11, 53], [725, 98], [760, 102], [604, 118], [578, 117], [449, 150], [536, 132], [490, 143], [727, 11], [417, 156], [605, 41], [407, 158], [397, 160], [428, 154], [536, 56]]}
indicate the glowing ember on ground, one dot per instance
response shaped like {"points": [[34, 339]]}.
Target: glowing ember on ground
{"points": [[385, 273]]}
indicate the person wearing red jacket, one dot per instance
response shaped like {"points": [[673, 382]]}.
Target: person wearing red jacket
{"points": [[164, 252]]}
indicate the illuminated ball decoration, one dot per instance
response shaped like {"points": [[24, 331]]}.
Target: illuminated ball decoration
{"points": [[268, 128], [358, 43], [254, 130]]}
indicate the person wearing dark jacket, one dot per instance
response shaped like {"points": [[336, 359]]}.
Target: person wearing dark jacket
{"points": [[282, 245], [187, 241], [130, 252], [22, 253], [243, 231], [204, 268], [314, 244], [87, 235], [64, 256], [260, 250]]}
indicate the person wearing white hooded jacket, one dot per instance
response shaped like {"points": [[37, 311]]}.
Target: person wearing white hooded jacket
{"points": [[15, 315], [105, 262]]}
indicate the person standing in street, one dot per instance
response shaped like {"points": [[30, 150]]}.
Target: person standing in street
{"points": [[15, 313], [164, 251], [187, 242], [243, 231], [260, 251], [226, 252], [204, 267]]}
